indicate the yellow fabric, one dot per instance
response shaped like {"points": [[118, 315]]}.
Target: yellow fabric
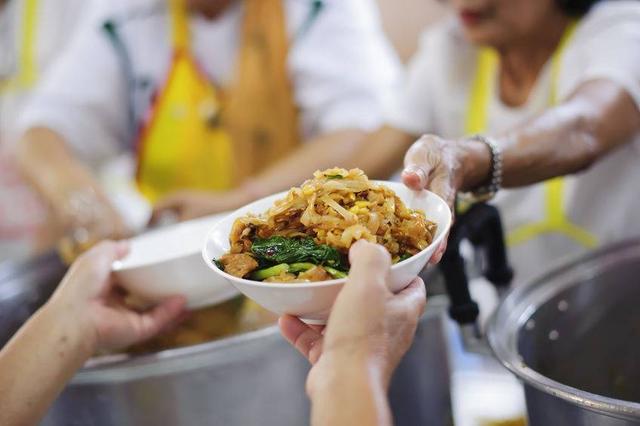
{"points": [[261, 114], [27, 69], [200, 138], [555, 217]]}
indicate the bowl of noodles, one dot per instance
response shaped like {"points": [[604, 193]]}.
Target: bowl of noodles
{"points": [[289, 252]]}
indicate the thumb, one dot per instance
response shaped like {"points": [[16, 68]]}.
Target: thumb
{"points": [[420, 161], [90, 273], [96, 264], [370, 265]]}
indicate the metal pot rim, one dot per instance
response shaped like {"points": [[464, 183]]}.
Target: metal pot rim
{"points": [[125, 367], [519, 305]]}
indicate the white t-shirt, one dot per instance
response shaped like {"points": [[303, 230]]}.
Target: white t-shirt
{"points": [[22, 215], [605, 199], [342, 69]]}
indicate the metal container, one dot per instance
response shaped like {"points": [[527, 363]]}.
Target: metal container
{"points": [[573, 338], [250, 379]]}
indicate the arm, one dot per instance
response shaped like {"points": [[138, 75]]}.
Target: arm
{"points": [[599, 117], [75, 197], [84, 315], [36, 364], [379, 154], [368, 332], [333, 400]]}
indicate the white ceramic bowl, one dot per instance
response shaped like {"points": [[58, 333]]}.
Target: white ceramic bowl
{"points": [[168, 261], [312, 301]]}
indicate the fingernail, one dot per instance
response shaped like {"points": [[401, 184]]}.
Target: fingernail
{"points": [[418, 171]]}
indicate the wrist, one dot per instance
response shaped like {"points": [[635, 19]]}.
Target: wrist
{"points": [[350, 368], [73, 324], [475, 163]]}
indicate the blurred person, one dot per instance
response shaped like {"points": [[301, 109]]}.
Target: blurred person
{"points": [[368, 332], [539, 97], [32, 35], [205, 94]]}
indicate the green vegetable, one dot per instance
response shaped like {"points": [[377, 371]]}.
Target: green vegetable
{"points": [[297, 250], [300, 267], [404, 256], [263, 274], [334, 272], [334, 176], [218, 264]]}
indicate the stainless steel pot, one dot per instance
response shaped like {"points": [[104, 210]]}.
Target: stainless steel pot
{"points": [[250, 379], [573, 338]]}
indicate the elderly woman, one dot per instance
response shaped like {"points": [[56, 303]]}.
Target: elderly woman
{"points": [[519, 92], [539, 97]]}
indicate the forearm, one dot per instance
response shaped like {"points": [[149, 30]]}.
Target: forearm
{"points": [[379, 154], [51, 167], [563, 140], [351, 392], [37, 363]]}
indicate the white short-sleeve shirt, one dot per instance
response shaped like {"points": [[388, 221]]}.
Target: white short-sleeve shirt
{"points": [[604, 199], [341, 66]]}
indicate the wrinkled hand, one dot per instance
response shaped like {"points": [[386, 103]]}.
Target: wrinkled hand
{"points": [[435, 164], [86, 218], [88, 293], [367, 323], [189, 204]]}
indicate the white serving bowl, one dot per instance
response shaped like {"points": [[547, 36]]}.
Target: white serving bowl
{"points": [[312, 302], [168, 261]]}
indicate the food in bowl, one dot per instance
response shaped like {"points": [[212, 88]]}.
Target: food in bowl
{"points": [[306, 236]]}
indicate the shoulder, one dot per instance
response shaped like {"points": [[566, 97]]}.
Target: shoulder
{"points": [[610, 17], [613, 11], [609, 29], [604, 46]]}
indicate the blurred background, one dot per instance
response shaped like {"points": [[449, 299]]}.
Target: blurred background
{"points": [[95, 94]]}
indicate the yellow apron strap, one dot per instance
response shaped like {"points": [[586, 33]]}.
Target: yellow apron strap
{"points": [[261, 113], [477, 110], [27, 72], [179, 25], [555, 219]]}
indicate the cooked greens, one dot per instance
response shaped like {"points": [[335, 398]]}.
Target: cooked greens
{"points": [[297, 250], [274, 271], [282, 256]]}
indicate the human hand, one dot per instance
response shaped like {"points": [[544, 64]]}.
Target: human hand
{"points": [[368, 324], [89, 296], [435, 164], [445, 167], [86, 217], [190, 204]]}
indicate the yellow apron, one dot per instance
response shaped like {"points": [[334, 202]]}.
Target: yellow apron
{"points": [[198, 138], [555, 218], [27, 69]]}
